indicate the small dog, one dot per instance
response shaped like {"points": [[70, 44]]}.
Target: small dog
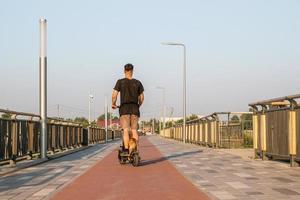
{"points": [[132, 145]]}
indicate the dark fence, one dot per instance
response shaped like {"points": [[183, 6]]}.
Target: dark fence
{"points": [[20, 137], [276, 129], [214, 131]]}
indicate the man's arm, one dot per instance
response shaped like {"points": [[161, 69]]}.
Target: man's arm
{"points": [[114, 99], [141, 98]]}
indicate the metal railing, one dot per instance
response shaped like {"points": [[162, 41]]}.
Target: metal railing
{"points": [[20, 136], [276, 129], [212, 131]]}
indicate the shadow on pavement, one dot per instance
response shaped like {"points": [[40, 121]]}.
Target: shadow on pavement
{"points": [[161, 159], [151, 146]]}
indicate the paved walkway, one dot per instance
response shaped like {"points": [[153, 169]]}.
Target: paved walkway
{"points": [[94, 173], [41, 181], [224, 176], [156, 178]]}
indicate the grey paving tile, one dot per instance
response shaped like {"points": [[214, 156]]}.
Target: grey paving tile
{"points": [[286, 191], [223, 176], [254, 193], [283, 180]]}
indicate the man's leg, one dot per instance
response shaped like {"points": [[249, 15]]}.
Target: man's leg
{"points": [[125, 124], [126, 137], [134, 127]]}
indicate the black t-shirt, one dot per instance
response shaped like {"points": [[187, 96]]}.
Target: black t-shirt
{"points": [[130, 90]]}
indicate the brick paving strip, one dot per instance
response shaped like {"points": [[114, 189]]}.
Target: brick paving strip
{"points": [[156, 178]]}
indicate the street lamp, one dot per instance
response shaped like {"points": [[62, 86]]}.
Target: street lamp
{"points": [[43, 86], [90, 101], [184, 82], [164, 106]]}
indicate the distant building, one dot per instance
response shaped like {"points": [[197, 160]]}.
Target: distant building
{"points": [[115, 123], [174, 119]]}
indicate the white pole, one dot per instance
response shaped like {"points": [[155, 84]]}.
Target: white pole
{"points": [[43, 86], [153, 126], [105, 110], [184, 93], [164, 109], [110, 117], [184, 84], [89, 110], [90, 102], [58, 111]]}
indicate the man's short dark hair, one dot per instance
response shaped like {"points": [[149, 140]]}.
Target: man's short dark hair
{"points": [[128, 67]]}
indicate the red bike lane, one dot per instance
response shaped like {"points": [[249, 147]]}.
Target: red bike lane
{"points": [[156, 178]]}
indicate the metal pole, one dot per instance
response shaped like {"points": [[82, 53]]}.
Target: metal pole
{"points": [[110, 117], [153, 126], [58, 111], [184, 84], [90, 102], [164, 109], [184, 92], [89, 110], [105, 110], [228, 135], [43, 86], [159, 120]]}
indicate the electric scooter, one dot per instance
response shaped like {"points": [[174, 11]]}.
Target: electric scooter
{"points": [[126, 157]]}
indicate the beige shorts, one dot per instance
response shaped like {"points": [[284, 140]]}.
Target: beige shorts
{"points": [[129, 121]]}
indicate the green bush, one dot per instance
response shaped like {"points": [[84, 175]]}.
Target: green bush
{"points": [[248, 139]]}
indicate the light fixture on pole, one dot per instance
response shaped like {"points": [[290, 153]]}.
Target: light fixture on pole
{"points": [[184, 82]]}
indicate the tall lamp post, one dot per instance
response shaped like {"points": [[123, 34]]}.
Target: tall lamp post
{"points": [[164, 107], [105, 111], [90, 102], [184, 83], [43, 86]]}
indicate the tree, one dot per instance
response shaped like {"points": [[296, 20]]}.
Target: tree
{"points": [[247, 123], [102, 117], [235, 118], [82, 120], [180, 121], [192, 117], [6, 116], [169, 124], [69, 119]]}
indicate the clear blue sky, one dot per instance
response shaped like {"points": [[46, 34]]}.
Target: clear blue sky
{"points": [[238, 51]]}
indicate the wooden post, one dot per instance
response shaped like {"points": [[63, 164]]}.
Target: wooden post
{"points": [[292, 138], [255, 134], [263, 136]]}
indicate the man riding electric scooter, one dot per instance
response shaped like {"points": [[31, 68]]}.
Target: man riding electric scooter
{"points": [[131, 98]]}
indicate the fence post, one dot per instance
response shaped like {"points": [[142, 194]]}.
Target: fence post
{"points": [[14, 141], [263, 135], [30, 139], [292, 138], [255, 134], [206, 133]]}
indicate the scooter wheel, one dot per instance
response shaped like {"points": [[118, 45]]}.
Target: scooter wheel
{"points": [[122, 162], [135, 160]]}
